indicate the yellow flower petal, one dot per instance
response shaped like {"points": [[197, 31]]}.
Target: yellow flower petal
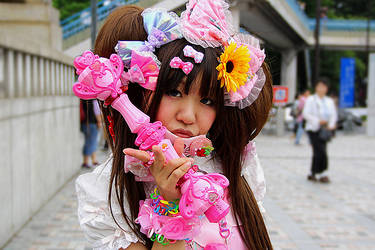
{"points": [[240, 58]]}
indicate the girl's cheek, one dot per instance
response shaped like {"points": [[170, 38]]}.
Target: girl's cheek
{"points": [[208, 116], [165, 108]]}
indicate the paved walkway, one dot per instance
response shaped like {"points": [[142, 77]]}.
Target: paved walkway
{"points": [[300, 214]]}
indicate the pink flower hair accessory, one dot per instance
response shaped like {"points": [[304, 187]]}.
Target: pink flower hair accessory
{"points": [[190, 52], [177, 63], [248, 92], [208, 23]]}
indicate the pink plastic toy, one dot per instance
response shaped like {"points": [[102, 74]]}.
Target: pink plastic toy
{"points": [[215, 246], [100, 78]]}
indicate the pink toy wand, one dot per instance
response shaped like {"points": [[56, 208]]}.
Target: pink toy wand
{"points": [[100, 78]]}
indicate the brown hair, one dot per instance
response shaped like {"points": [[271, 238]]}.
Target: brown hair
{"points": [[231, 131]]}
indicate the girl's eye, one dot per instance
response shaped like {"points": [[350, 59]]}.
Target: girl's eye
{"points": [[174, 93], [207, 101]]}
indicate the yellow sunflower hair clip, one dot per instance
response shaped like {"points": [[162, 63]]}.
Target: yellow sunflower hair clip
{"points": [[234, 67]]}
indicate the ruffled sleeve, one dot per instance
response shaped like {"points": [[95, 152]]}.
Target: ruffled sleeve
{"points": [[94, 214], [253, 173]]}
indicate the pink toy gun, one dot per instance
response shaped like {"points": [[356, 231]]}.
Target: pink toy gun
{"points": [[100, 78]]}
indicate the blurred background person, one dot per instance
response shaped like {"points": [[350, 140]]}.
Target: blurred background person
{"points": [[90, 124], [321, 116], [294, 114], [299, 116]]}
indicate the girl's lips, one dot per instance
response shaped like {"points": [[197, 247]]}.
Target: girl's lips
{"points": [[182, 133]]}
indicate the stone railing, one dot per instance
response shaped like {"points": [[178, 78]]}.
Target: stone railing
{"points": [[39, 130], [25, 75]]}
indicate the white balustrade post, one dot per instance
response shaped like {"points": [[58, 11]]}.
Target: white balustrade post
{"points": [[35, 82], [42, 77], [65, 80], [2, 73], [27, 75], [71, 79], [48, 77], [61, 84], [20, 89], [53, 77], [9, 73], [57, 78]]}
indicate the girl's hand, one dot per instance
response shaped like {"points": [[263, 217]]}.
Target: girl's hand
{"points": [[323, 122], [166, 175]]}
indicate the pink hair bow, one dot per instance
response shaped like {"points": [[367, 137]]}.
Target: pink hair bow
{"points": [[143, 70], [177, 63], [190, 52]]}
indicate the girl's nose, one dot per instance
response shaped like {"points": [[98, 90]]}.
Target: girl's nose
{"points": [[186, 113]]}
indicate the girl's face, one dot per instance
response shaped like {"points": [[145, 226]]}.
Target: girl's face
{"points": [[186, 115]]}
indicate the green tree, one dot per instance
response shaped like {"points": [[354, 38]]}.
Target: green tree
{"points": [[69, 7], [348, 9]]}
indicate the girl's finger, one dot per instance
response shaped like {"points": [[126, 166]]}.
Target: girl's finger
{"points": [[179, 146], [159, 157], [176, 163], [178, 173], [139, 154]]}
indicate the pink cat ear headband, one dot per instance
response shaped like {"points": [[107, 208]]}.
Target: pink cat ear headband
{"points": [[206, 23]]}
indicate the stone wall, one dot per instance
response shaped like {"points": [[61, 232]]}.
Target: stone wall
{"points": [[40, 142], [36, 22]]}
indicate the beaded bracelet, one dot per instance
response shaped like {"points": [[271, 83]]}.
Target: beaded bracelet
{"points": [[161, 239], [162, 222], [163, 207]]}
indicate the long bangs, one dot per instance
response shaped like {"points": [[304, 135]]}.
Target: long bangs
{"points": [[204, 72]]}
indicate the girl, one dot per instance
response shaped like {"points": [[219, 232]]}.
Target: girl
{"points": [[190, 100]]}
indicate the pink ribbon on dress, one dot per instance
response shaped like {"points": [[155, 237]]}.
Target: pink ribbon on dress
{"points": [[177, 63]]}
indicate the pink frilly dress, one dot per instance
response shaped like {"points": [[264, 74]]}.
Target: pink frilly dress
{"points": [[103, 233]]}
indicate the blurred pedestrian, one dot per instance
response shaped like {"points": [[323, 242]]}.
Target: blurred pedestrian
{"points": [[321, 116], [299, 116], [294, 114], [90, 124]]}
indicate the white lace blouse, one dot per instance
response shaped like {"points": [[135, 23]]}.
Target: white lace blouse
{"points": [[93, 210]]}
